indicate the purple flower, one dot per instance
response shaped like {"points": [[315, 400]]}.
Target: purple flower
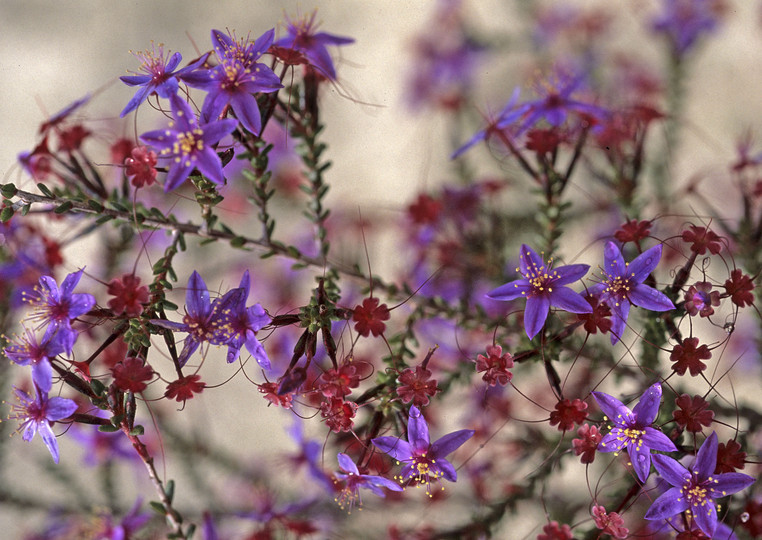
{"points": [[632, 429], [694, 488], [27, 350], [303, 38], [354, 481], [685, 21], [160, 75], [424, 462], [203, 318], [622, 285], [240, 325], [58, 307], [543, 286], [510, 113], [189, 145], [556, 102], [236, 79], [37, 413]]}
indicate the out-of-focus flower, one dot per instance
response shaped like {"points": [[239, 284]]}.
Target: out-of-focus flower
{"points": [[26, 350], [684, 22], [353, 481], [301, 36], [37, 413]]}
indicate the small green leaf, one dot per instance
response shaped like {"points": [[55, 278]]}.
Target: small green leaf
{"points": [[238, 241], [64, 207], [95, 205], [107, 428], [8, 190], [158, 508], [170, 490], [6, 214], [137, 430], [103, 219], [45, 190]]}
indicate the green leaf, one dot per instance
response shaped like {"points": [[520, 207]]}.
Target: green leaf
{"points": [[137, 430], [95, 205], [238, 241], [157, 507], [25, 209], [108, 428], [6, 214], [45, 190], [170, 490], [103, 219], [64, 207], [8, 190]]}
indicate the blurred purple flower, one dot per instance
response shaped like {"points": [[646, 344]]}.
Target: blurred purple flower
{"points": [[27, 350], [203, 319], [239, 326], [36, 414], [302, 37], [632, 429], [189, 145], [160, 75], [695, 488], [57, 307], [354, 481], [683, 22], [543, 286]]}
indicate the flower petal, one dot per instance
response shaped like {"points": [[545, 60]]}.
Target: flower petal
{"points": [[648, 407], [197, 301], [448, 471], [671, 470], [394, 446], [649, 298], [417, 430], [569, 273], [447, 444], [728, 483], [535, 314], [529, 260], [705, 516], [706, 458], [613, 260], [640, 457], [346, 464], [247, 111], [669, 504], [50, 440], [614, 409], [568, 300], [645, 263], [656, 440], [59, 408], [510, 291]]}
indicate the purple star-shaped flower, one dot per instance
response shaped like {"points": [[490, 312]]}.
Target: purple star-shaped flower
{"points": [[189, 144], [57, 307], [203, 319], [510, 113], [632, 429], [354, 481], [543, 286], [622, 285], [160, 76], [37, 413], [301, 37], [424, 462], [695, 488], [236, 79], [27, 350], [240, 325]]}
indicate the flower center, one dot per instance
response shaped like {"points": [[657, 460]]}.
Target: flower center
{"points": [[540, 279], [188, 143]]}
